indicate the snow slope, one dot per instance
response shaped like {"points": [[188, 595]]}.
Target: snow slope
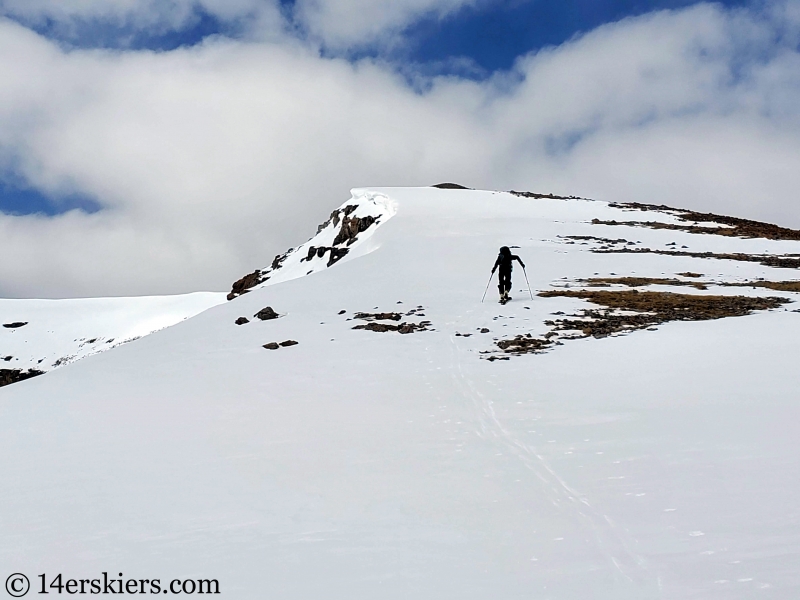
{"points": [[358, 464], [58, 332]]}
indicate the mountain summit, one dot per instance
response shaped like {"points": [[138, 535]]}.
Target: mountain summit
{"points": [[623, 428]]}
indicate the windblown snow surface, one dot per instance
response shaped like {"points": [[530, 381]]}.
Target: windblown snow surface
{"points": [[660, 463]]}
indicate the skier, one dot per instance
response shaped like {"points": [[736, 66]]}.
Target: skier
{"points": [[504, 261]]}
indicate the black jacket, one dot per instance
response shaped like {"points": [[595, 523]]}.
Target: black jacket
{"points": [[505, 260]]}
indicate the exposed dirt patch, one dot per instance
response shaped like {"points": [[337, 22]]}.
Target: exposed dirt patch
{"points": [[641, 282], [401, 328], [780, 286], [626, 311], [9, 376], [783, 261], [524, 344], [593, 238], [653, 308], [720, 224], [15, 325], [548, 196], [385, 316], [690, 274]]}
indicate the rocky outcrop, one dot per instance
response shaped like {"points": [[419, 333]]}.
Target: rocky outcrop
{"points": [[245, 283], [9, 376], [351, 227]]}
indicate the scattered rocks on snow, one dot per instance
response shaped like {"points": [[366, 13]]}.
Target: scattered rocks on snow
{"points": [[266, 314], [276, 345], [242, 320], [15, 324]]}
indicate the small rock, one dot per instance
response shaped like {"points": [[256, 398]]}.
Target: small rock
{"points": [[15, 324], [242, 320], [289, 343], [341, 312], [272, 346], [265, 314], [484, 330]]}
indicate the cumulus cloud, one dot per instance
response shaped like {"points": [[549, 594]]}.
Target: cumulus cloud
{"points": [[209, 160]]}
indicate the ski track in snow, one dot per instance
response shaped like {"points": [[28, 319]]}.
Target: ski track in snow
{"points": [[609, 538]]}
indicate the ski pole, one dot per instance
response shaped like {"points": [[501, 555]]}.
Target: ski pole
{"points": [[487, 287], [528, 282]]}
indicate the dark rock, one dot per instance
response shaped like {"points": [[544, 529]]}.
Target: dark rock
{"points": [[351, 227], [484, 330], [450, 186], [15, 324], [266, 314], [289, 343], [337, 254], [242, 320], [9, 376], [341, 312], [7, 358], [245, 283], [271, 346], [278, 261]]}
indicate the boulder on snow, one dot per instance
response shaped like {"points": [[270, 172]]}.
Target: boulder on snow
{"points": [[266, 314], [271, 346], [242, 320], [15, 324], [289, 343]]}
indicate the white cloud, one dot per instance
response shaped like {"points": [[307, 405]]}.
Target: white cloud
{"points": [[211, 159], [342, 24]]}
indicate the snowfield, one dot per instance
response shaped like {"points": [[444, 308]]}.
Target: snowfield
{"points": [[368, 463], [57, 332]]}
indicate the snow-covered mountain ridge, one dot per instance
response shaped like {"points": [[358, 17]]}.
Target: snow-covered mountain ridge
{"points": [[639, 442]]}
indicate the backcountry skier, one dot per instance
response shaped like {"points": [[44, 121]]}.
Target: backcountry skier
{"points": [[504, 262]]}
